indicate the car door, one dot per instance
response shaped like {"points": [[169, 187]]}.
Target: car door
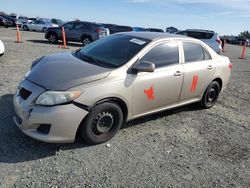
{"points": [[40, 25], [161, 88], [199, 71], [68, 28], [32, 25], [78, 31]]}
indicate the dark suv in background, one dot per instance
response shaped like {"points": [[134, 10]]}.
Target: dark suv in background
{"points": [[5, 22], [77, 31], [113, 28]]}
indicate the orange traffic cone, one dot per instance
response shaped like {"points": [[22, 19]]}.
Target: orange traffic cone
{"points": [[243, 55], [18, 35], [64, 40]]}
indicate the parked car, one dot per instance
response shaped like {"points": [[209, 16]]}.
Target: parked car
{"points": [[5, 22], [154, 30], [117, 28], [211, 38], [32, 19], [138, 29], [171, 30], [94, 90], [20, 20], [1, 48], [56, 22], [240, 41], [77, 31], [12, 20], [38, 25]]}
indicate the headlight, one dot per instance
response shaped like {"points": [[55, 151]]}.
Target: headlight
{"points": [[50, 98]]}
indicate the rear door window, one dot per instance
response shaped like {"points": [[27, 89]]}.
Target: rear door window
{"points": [[163, 54], [195, 52], [40, 22], [79, 26]]}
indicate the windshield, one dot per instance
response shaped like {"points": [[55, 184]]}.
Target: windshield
{"points": [[112, 51]]}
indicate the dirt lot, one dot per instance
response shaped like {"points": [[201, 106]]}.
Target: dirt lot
{"points": [[185, 147]]}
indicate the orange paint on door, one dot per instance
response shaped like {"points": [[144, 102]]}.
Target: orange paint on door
{"points": [[150, 93], [194, 83]]}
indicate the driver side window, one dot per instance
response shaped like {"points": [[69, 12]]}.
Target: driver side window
{"points": [[69, 26], [163, 54]]}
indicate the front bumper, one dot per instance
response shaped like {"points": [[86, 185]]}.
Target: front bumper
{"points": [[63, 120]]}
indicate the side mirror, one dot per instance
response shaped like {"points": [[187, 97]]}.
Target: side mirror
{"points": [[144, 66]]}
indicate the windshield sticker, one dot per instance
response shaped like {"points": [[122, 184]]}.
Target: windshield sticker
{"points": [[137, 41]]}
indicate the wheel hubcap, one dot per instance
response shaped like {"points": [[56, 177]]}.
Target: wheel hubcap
{"points": [[104, 122], [86, 41], [211, 95], [52, 38]]}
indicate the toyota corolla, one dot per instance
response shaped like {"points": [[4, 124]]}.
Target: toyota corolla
{"points": [[94, 90]]}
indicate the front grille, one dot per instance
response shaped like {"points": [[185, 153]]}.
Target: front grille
{"points": [[24, 93]]}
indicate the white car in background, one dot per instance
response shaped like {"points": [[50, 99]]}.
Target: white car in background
{"points": [[1, 48], [37, 25]]}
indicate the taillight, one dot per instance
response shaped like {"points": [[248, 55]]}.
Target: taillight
{"points": [[218, 40], [230, 66], [98, 30]]}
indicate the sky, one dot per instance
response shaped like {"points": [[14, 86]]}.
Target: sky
{"points": [[228, 17]]}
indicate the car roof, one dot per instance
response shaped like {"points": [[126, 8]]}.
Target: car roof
{"points": [[153, 35]]}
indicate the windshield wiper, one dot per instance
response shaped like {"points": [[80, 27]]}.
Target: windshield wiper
{"points": [[89, 59], [94, 60]]}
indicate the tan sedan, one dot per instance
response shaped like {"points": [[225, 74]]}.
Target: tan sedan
{"points": [[96, 89]]}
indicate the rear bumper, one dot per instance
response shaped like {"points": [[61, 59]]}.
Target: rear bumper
{"points": [[63, 120]]}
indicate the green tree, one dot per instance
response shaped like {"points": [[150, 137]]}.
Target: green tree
{"points": [[245, 34]]}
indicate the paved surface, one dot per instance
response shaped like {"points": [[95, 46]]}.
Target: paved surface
{"points": [[185, 147]]}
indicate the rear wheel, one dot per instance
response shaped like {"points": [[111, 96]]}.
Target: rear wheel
{"points": [[53, 38], [102, 123], [211, 95], [86, 40], [25, 28]]}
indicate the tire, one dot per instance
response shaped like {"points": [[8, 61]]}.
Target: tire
{"points": [[44, 29], [86, 40], [211, 95], [102, 123], [25, 28], [53, 38]]}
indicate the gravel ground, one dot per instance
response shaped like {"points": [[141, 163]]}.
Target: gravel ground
{"points": [[185, 147]]}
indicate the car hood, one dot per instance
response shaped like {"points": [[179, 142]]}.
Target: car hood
{"points": [[62, 71]]}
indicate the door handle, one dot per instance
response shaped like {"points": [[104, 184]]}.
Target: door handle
{"points": [[178, 73], [210, 67]]}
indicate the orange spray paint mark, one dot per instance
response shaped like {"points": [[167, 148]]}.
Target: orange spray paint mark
{"points": [[150, 93], [194, 83]]}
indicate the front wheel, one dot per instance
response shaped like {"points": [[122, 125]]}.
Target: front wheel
{"points": [[25, 28], [211, 95], [102, 123]]}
